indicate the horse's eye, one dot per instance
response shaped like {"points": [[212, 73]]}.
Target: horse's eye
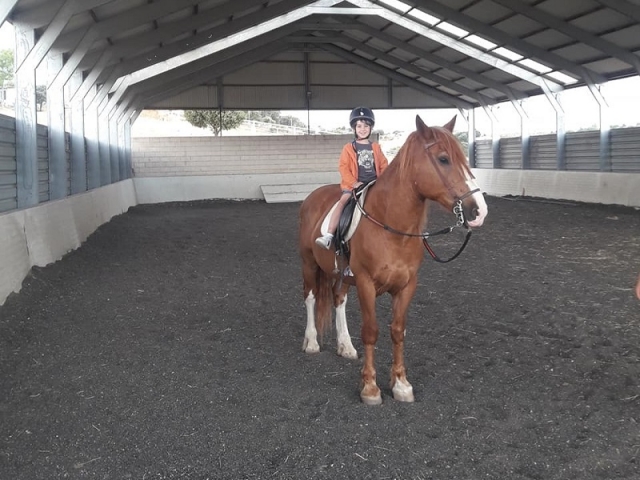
{"points": [[443, 160]]}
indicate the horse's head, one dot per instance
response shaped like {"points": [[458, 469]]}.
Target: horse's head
{"points": [[439, 170]]}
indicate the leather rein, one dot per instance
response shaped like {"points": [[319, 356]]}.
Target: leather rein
{"points": [[457, 211]]}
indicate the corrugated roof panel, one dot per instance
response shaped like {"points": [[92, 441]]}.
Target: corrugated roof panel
{"points": [[519, 26], [116, 7], [578, 52], [568, 9], [628, 37], [549, 39], [602, 21], [611, 66]]}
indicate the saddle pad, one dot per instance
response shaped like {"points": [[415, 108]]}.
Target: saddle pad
{"points": [[357, 216]]}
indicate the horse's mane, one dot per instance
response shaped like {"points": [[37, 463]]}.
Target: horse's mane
{"points": [[449, 142]]}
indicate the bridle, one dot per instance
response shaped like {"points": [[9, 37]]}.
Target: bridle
{"points": [[457, 211]]}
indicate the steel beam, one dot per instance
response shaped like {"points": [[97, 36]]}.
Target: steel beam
{"points": [[6, 6], [462, 47], [481, 99], [454, 67], [514, 43], [55, 27], [114, 25], [622, 6], [409, 82], [571, 30]]}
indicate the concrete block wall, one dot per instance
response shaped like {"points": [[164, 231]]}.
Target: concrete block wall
{"points": [[205, 156], [43, 234]]}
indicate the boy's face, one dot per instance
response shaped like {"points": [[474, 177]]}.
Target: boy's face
{"points": [[363, 130]]}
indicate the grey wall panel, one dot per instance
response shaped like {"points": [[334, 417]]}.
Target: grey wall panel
{"points": [[484, 153], [327, 97], [67, 154], [511, 153], [543, 152], [198, 97], [583, 151], [625, 150], [8, 166], [264, 73], [405, 97], [43, 164], [343, 74], [269, 98]]}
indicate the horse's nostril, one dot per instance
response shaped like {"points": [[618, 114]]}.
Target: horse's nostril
{"points": [[474, 213]]}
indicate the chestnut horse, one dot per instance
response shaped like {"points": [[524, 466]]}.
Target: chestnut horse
{"points": [[386, 249]]}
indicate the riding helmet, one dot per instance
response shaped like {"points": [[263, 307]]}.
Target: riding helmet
{"points": [[361, 113]]}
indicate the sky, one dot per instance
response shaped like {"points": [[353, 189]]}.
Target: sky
{"points": [[581, 110]]}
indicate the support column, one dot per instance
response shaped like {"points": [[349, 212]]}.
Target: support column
{"points": [[93, 147], [495, 138], [127, 148], [525, 137], [471, 137], [57, 148], [561, 140], [561, 136], [103, 147], [26, 132], [114, 156], [78, 148], [604, 114]]}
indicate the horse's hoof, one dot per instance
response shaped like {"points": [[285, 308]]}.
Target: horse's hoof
{"points": [[310, 347], [371, 400], [347, 351], [403, 392], [371, 395]]}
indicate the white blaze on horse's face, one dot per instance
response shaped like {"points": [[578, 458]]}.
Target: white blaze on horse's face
{"points": [[482, 210]]}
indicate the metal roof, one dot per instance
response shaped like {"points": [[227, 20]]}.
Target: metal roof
{"points": [[322, 54]]}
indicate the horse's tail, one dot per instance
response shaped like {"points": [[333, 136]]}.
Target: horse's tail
{"points": [[324, 302]]}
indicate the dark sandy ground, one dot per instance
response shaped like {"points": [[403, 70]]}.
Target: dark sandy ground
{"points": [[169, 346]]}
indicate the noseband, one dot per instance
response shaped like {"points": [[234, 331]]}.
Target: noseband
{"points": [[457, 211]]}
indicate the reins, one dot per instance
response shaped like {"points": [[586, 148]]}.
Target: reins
{"points": [[457, 211]]}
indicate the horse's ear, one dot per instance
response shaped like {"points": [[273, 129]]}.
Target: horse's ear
{"points": [[421, 127], [452, 123]]}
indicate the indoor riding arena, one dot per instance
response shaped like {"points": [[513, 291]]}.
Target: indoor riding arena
{"points": [[152, 312]]}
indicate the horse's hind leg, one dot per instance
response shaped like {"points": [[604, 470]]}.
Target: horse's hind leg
{"points": [[310, 342], [345, 347]]}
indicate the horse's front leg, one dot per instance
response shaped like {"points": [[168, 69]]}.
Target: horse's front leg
{"points": [[402, 389], [370, 393]]}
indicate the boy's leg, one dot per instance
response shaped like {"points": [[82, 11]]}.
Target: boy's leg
{"points": [[325, 240]]}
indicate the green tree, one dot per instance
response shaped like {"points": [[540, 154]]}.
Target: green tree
{"points": [[41, 96], [6, 67], [215, 120], [463, 138]]}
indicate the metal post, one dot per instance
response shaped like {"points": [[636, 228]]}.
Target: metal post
{"points": [[78, 150], [26, 131], [93, 147], [58, 175], [471, 137], [103, 147]]}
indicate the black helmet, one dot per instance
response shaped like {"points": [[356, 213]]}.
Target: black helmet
{"points": [[361, 113]]}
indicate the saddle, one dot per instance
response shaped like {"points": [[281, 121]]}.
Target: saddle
{"points": [[349, 219]]}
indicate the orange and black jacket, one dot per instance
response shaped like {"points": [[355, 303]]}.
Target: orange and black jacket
{"points": [[348, 166]]}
